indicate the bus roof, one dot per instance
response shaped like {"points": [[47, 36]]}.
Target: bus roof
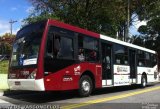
{"points": [[107, 38]]}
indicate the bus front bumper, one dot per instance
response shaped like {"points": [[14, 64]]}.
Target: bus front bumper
{"points": [[26, 84]]}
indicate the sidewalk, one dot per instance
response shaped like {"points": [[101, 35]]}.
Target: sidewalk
{"points": [[3, 82], [1, 93], [2, 101]]}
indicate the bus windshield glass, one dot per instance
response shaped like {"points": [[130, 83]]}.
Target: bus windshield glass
{"points": [[26, 45]]}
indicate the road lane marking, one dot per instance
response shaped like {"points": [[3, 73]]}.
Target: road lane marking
{"points": [[109, 98]]}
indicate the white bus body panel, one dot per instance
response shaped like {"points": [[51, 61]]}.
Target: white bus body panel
{"points": [[149, 72], [123, 78], [26, 84]]}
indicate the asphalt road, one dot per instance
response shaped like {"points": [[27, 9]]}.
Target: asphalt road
{"points": [[126, 97]]}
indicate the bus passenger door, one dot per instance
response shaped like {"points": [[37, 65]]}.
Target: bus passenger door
{"points": [[133, 70], [106, 64]]}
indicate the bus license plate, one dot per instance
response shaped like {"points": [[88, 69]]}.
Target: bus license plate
{"points": [[17, 83]]}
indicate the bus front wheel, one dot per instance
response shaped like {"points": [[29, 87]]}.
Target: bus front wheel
{"points": [[85, 86], [143, 81]]}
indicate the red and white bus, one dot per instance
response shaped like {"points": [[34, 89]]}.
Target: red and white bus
{"points": [[54, 56]]}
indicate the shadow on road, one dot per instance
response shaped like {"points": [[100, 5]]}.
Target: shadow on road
{"points": [[29, 97], [117, 89], [39, 97]]}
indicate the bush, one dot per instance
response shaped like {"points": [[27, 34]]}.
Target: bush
{"points": [[4, 66]]}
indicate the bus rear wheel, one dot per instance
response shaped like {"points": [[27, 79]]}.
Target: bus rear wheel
{"points": [[85, 86], [143, 81]]}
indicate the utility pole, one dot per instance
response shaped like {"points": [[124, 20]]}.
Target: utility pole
{"points": [[128, 21], [11, 23]]}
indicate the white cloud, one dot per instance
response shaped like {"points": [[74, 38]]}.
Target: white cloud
{"points": [[140, 23], [3, 25], [15, 30], [30, 9], [136, 25], [20, 21], [5, 28], [14, 9]]}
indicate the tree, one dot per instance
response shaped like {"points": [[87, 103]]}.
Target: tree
{"points": [[108, 17], [6, 43], [151, 31]]}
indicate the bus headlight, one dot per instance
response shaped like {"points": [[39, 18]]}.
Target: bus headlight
{"points": [[32, 75]]}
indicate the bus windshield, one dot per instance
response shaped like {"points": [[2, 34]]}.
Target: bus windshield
{"points": [[26, 46]]}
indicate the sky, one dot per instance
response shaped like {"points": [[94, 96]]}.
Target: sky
{"points": [[18, 10], [135, 26]]}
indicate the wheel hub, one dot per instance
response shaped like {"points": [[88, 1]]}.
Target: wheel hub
{"points": [[86, 86], [144, 82]]}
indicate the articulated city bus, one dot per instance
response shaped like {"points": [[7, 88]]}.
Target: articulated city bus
{"points": [[54, 56]]}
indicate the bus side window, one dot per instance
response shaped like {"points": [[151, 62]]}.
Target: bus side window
{"points": [[144, 59], [59, 46], [56, 45], [140, 56], [89, 46], [66, 48], [140, 63], [118, 61], [121, 54], [154, 60], [49, 50], [81, 56], [53, 45]]}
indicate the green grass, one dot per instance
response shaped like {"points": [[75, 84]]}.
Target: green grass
{"points": [[4, 67], [3, 75]]}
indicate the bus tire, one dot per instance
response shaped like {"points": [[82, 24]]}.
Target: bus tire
{"points": [[143, 81], [85, 86]]}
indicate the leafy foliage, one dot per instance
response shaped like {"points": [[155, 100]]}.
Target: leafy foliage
{"points": [[151, 31], [6, 43], [107, 17], [4, 67]]}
